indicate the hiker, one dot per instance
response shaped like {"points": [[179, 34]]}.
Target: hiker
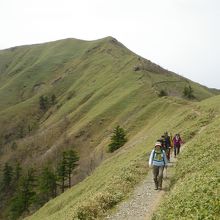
{"points": [[162, 141], [158, 161], [167, 144], [171, 142], [177, 141]]}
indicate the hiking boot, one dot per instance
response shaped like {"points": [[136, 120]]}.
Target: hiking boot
{"points": [[160, 188], [156, 188]]}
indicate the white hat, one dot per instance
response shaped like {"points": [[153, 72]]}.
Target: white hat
{"points": [[157, 144]]}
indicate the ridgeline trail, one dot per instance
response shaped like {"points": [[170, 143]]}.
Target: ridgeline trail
{"points": [[144, 200]]}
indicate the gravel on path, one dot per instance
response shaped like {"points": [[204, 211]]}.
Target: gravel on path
{"points": [[144, 200]]}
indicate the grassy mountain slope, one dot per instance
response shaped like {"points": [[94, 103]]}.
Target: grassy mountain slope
{"points": [[95, 85], [116, 177], [98, 85]]}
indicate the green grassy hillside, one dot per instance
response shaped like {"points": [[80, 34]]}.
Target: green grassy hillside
{"points": [[114, 179], [94, 83], [97, 85]]}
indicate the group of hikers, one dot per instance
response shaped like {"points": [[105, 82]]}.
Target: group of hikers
{"points": [[160, 155]]}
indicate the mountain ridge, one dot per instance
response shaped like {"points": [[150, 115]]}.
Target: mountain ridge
{"points": [[98, 85]]}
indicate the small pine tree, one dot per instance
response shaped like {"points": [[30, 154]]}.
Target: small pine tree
{"points": [[188, 92], [66, 167], [47, 185], [162, 93], [71, 163], [16, 207], [17, 172], [44, 103], [118, 139], [7, 176], [24, 196], [62, 173]]}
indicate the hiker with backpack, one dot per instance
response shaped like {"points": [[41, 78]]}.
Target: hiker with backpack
{"points": [[162, 141], [157, 162], [177, 141], [167, 143]]}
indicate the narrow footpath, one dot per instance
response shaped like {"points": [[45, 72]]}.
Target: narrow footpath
{"points": [[144, 200]]}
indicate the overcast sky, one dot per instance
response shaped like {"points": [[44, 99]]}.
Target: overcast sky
{"points": [[180, 35]]}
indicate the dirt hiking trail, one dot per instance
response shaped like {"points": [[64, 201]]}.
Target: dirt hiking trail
{"points": [[144, 200]]}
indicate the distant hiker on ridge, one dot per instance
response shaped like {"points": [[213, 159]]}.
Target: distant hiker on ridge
{"points": [[167, 142], [158, 161], [177, 141]]}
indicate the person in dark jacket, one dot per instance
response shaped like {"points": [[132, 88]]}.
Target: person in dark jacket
{"points": [[167, 144]]}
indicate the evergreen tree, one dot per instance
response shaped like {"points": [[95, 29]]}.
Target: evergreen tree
{"points": [[62, 173], [47, 185], [118, 139], [16, 207], [188, 92], [7, 176], [44, 103], [24, 196], [66, 167], [17, 172], [162, 93], [71, 163]]}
